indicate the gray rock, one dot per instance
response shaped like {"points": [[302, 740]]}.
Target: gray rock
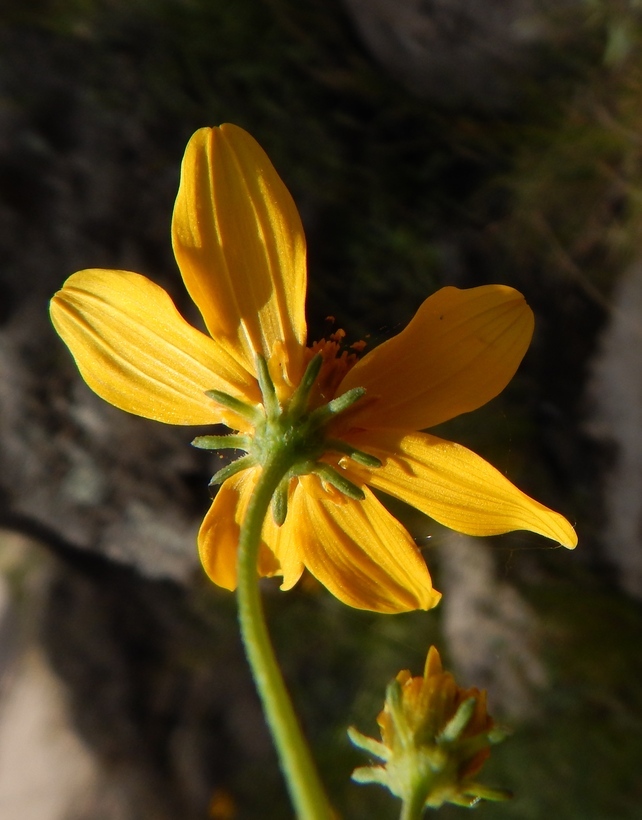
{"points": [[456, 52], [491, 631], [615, 419], [75, 181]]}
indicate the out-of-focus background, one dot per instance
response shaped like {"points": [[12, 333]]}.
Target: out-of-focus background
{"points": [[425, 144]]}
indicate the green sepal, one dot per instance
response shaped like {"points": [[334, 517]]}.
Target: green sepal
{"points": [[323, 414], [268, 390], [394, 704], [365, 459], [498, 734], [249, 412], [480, 792], [279, 505], [369, 744], [232, 469], [457, 724], [301, 396], [329, 475], [345, 400], [466, 802], [371, 774], [231, 442]]}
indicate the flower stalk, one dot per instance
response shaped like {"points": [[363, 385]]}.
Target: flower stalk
{"points": [[413, 808], [306, 791]]}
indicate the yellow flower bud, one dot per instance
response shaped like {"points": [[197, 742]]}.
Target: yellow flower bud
{"points": [[435, 738]]}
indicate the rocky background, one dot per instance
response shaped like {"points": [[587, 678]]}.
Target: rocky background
{"points": [[425, 144]]}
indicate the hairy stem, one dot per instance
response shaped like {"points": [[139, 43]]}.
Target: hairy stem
{"points": [[306, 790]]}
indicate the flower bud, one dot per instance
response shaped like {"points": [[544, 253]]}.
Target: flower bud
{"points": [[435, 738]]}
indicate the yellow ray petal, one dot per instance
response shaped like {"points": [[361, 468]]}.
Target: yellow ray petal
{"points": [[456, 487], [239, 243], [137, 352], [284, 542], [459, 351], [218, 537], [362, 554]]}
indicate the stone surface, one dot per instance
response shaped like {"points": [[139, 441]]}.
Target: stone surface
{"points": [[491, 631], [455, 52], [121, 698], [45, 768], [614, 399], [97, 477]]}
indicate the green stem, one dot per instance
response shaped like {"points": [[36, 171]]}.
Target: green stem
{"points": [[420, 788], [306, 791], [413, 809]]}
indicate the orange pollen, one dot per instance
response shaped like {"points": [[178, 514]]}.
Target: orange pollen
{"points": [[336, 363]]}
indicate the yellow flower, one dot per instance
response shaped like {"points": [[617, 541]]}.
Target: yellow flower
{"points": [[240, 247], [435, 737]]}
